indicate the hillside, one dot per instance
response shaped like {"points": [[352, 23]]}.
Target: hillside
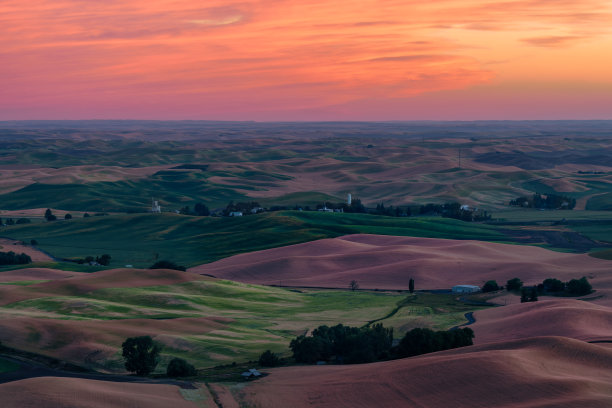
{"points": [[541, 372], [388, 262]]}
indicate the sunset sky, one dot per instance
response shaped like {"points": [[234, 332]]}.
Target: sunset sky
{"points": [[305, 60]]}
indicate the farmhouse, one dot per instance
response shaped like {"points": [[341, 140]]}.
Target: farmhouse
{"points": [[466, 289], [235, 214]]}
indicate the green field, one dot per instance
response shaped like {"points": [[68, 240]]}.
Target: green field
{"points": [[141, 239], [260, 317], [7, 366]]}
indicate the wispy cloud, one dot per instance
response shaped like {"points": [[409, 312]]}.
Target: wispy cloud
{"points": [[193, 58]]}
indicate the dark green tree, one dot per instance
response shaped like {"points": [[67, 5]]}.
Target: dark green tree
{"points": [[579, 287], [353, 285], [67, 216], [201, 210], [553, 285], [141, 354], [268, 359], [490, 286], [514, 284], [49, 215], [23, 221], [104, 259], [411, 285], [180, 368]]}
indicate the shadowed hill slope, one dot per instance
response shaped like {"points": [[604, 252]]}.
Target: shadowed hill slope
{"points": [[542, 372]]}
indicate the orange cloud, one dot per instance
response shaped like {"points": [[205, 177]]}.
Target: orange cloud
{"points": [[256, 59]]}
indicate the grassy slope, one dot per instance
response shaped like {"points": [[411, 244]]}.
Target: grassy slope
{"points": [[262, 317], [141, 239]]}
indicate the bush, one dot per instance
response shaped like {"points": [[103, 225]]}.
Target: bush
{"points": [[49, 215], [67, 217], [167, 265], [86, 215], [514, 284], [490, 286], [33, 242], [268, 359], [141, 354], [23, 221], [180, 368], [579, 287]]}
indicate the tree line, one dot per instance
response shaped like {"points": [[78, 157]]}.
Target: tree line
{"points": [[11, 258], [354, 345], [545, 202]]}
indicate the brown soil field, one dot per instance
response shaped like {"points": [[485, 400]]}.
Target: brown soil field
{"points": [[541, 372], [550, 317], [33, 274], [7, 245], [54, 392], [387, 262]]}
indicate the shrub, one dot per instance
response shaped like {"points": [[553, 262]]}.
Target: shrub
{"points": [[23, 221], [163, 264], [141, 354], [268, 359], [67, 217], [33, 242], [180, 368]]}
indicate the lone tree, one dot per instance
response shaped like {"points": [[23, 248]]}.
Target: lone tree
{"points": [[411, 285], [353, 285], [141, 354], [67, 216]]}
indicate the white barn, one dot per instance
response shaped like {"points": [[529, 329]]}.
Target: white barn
{"points": [[466, 289]]}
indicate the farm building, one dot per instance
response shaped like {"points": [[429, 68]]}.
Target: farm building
{"points": [[466, 289]]}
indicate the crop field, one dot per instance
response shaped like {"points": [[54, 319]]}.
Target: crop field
{"points": [[140, 240], [69, 169], [204, 320]]}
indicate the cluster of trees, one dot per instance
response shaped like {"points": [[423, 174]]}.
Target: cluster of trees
{"points": [[142, 355], [575, 287], [548, 202], [11, 258], [454, 210], [103, 259], [199, 209], [164, 264], [354, 345], [391, 211], [10, 221], [421, 341], [550, 286], [347, 344]]}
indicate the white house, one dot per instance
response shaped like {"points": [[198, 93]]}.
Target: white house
{"points": [[466, 289], [235, 214]]}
